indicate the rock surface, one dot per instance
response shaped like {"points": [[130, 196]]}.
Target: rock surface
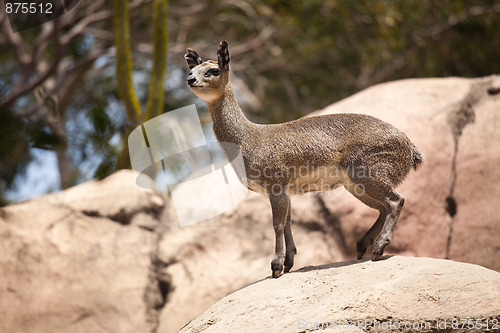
{"points": [[421, 293], [66, 266], [452, 207]]}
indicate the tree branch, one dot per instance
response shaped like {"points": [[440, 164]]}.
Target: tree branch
{"points": [[126, 89], [13, 39], [96, 17], [154, 105], [23, 84]]}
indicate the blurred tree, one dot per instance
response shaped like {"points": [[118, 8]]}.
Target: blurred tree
{"points": [[52, 60], [59, 89]]}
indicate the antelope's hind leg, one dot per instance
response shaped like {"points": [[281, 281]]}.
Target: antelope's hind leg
{"points": [[394, 203], [372, 233], [382, 197]]}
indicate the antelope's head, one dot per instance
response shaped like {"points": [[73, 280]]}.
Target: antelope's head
{"points": [[208, 79]]}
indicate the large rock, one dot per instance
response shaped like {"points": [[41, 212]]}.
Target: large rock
{"points": [[66, 266], [399, 293], [476, 225], [452, 202]]}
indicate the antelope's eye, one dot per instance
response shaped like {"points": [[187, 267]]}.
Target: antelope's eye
{"points": [[213, 71]]}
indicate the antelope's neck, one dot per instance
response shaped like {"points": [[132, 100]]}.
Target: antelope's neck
{"points": [[229, 122]]}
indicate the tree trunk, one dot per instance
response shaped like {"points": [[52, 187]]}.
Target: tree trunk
{"points": [[65, 166]]}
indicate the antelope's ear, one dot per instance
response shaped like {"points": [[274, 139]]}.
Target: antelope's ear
{"points": [[223, 56], [192, 58]]}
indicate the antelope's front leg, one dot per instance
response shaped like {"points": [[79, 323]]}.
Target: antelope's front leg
{"points": [[279, 206], [291, 250]]}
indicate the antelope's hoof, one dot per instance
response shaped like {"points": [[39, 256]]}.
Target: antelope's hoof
{"points": [[289, 262], [276, 268], [376, 256]]}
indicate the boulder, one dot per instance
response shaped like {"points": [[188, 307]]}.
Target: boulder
{"points": [[452, 200], [476, 225], [67, 265], [396, 294]]}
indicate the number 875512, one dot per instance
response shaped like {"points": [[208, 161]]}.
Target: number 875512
{"points": [[28, 7]]}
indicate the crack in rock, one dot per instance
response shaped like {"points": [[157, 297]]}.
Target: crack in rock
{"points": [[157, 291], [461, 116], [125, 217], [160, 283]]}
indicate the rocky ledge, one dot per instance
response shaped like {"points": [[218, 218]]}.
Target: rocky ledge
{"points": [[403, 294]]}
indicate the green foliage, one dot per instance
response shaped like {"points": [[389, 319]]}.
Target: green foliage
{"points": [[41, 136], [335, 48], [103, 130], [14, 151], [102, 125], [106, 167]]}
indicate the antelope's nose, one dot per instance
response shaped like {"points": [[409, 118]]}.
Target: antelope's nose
{"points": [[190, 80]]}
